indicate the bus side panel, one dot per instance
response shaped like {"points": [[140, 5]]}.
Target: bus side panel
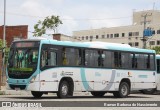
{"points": [[144, 79], [123, 75], [104, 79], [49, 80]]}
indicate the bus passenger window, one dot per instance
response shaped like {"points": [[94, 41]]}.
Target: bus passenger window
{"points": [[64, 57], [99, 58], [107, 58], [91, 58], [152, 63], [134, 60], [71, 56], [147, 58], [103, 57], [117, 59], [79, 57]]}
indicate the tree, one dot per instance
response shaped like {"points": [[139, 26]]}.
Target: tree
{"points": [[6, 50], [51, 22], [157, 49]]}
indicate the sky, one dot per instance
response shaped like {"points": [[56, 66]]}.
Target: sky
{"points": [[75, 14]]}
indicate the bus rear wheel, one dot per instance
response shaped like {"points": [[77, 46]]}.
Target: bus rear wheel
{"points": [[98, 94], [63, 91], [36, 94], [123, 90]]}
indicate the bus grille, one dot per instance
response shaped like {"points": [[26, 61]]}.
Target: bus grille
{"points": [[19, 75]]}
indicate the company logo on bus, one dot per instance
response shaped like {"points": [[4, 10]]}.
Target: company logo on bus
{"points": [[66, 73]]}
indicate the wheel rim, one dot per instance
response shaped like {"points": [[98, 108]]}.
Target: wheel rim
{"points": [[64, 90], [124, 90]]}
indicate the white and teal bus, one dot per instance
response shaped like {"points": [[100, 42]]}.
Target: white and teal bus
{"points": [[49, 66]]}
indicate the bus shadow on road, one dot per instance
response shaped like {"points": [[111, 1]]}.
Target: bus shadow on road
{"points": [[74, 97]]}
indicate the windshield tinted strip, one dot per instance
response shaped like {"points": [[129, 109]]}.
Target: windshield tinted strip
{"points": [[21, 69]]}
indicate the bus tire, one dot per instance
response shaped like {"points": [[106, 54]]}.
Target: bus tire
{"points": [[37, 94], [123, 92], [97, 93], [63, 90]]}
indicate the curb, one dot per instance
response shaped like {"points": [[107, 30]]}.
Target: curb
{"points": [[2, 92]]}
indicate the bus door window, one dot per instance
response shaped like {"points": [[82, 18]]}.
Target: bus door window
{"points": [[52, 58], [48, 58], [44, 60]]}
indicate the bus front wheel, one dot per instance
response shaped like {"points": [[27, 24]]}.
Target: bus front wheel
{"points": [[36, 94], [63, 91], [123, 90]]}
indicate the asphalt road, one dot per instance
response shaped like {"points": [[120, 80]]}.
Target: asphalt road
{"points": [[84, 101]]}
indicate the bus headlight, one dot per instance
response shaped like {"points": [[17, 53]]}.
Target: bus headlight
{"points": [[7, 80], [33, 79]]}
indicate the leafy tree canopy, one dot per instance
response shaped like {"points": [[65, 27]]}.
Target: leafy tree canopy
{"points": [[157, 49], [51, 22]]}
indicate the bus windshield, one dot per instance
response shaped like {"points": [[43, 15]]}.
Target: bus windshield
{"points": [[22, 60]]}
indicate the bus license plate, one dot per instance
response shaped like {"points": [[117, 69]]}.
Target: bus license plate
{"points": [[17, 88]]}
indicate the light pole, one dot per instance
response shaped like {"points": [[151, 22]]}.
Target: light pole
{"points": [[4, 27], [4, 39], [145, 21]]}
